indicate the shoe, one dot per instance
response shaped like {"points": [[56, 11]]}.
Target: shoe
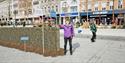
{"points": [[92, 40], [65, 52], [71, 53]]}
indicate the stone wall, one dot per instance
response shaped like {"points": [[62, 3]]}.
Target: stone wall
{"points": [[13, 36]]}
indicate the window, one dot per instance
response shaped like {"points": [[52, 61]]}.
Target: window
{"points": [[96, 8], [83, 10], [104, 5], [41, 1], [35, 2], [29, 11], [64, 9], [111, 7], [57, 8], [48, 9], [104, 8], [89, 9], [45, 9], [15, 12], [73, 1], [45, 1], [15, 5], [120, 2], [89, 6], [74, 9], [120, 6]]}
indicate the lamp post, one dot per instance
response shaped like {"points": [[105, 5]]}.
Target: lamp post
{"points": [[15, 12], [87, 9], [113, 19], [9, 10]]}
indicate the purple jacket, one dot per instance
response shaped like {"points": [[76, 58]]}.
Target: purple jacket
{"points": [[68, 30]]}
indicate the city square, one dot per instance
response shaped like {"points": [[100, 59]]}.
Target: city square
{"points": [[62, 31]]}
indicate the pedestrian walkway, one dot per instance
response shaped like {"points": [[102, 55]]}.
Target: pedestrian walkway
{"points": [[110, 34], [101, 51]]}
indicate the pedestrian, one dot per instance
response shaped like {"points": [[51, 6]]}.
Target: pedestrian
{"points": [[24, 23], [93, 29], [68, 36]]}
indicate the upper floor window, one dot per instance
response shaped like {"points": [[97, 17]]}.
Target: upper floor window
{"points": [[57, 8], [89, 9], [73, 1], [35, 2], [15, 5], [104, 8], [120, 3], [96, 8], [74, 9], [111, 7]]}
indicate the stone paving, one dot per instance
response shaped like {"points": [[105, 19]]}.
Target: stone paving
{"points": [[106, 34], [101, 51]]}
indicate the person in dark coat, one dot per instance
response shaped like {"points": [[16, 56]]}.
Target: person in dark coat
{"points": [[93, 29]]}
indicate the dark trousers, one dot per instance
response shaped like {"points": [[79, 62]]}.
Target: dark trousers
{"points": [[93, 36], [65, 44]]}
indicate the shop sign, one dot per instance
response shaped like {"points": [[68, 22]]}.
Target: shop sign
{"points": [[102, 12]]}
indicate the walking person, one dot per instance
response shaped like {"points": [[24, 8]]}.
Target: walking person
{"points": [[68, 36], [93, 29]]}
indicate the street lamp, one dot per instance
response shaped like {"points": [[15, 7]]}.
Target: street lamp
{"points": [[113, 19], [9, 11], [14, 22], [87, 9]]}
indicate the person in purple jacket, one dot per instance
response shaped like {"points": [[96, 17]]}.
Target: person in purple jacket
{"points": [[68, 36]]}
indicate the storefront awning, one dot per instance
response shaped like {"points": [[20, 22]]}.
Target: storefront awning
{"points": [[69, 14]]}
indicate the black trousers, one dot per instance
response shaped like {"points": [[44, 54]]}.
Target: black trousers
{"points": [[65, 44], [93, 36]]}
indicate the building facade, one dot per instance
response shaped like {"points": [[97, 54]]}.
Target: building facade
{"points": [[69, 10], [103, 11], [5, 11]]}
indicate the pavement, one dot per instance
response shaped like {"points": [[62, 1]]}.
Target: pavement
{"points": [[107, 34], [101, 51], [108, 48]]}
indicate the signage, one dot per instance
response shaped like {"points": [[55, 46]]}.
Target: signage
{"points": [[24, 38], [102, 12]]}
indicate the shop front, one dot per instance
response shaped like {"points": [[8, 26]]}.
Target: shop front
{"points": [[105, 17]]}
